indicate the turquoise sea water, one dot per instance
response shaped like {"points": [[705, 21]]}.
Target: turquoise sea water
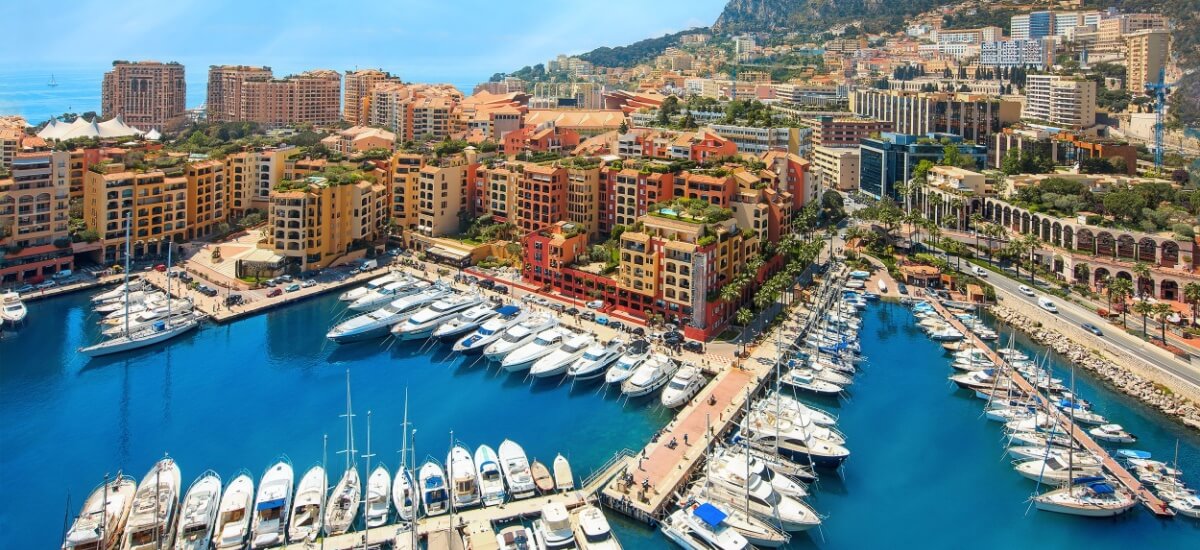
{"points": [[926, 469]]}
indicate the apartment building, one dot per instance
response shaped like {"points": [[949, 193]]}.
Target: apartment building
{"points": [[358, 139], [356, 97], [317, 220], [833, 131], [550, 251], [583, 197], [206, 197], [311, 97], [543, 138], [34, 210], [631, 192], [156, 200], [10, 143], [414, 111], [967, 36], [757, 140], [1065, 102], [542, 193], [404, 180], [717, 190], [442, 197], [836, 167], [975, 117], [1037, 52], [1146, 55], [892, 157], [145, 94], [252, 174], [224, 103], [1038, 24]]}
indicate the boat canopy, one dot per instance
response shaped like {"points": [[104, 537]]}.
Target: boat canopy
{"points": [[710, 514], [1133, 453], [1102, 489], [507, 310], [269, 504], [1088, 479]]}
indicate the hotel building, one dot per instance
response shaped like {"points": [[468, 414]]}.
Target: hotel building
{"points": [[145, 94]]}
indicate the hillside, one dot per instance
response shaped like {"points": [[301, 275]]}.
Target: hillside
{"points": [[642, 50], [815, 15]]}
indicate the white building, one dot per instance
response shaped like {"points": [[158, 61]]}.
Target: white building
{"points": [[1061, 101], [1017, 53], [836, 167]]}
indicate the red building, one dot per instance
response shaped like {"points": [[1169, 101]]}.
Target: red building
{"points": [[542, 197], [544, 138]]}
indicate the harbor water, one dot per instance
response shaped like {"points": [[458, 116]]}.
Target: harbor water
{"points": [[926, 468]]}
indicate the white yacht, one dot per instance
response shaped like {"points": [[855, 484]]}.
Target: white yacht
{"points": [[1087, 496], [1055, 470], [343, 504], [12, 309], [556, 362], [465, 323], [515, 465], [553, 530], [702, 526], [596, 360], [434, 496], [651, 375], [119, 291], [802, 447], [542, 345], [464, 478], [592, 531], [787, 405], [159, 331], [272, 505], [388, 293], [379, 282], [790, 424], [1112, 433], [686, 383], [308, 506], [630, 359], [136, 298], [377, 323], [233, 519], [379, 495], [491, 478], [101, 521], [154, 509], [198, 515], [146, 319], [425, 321], [518, 335], [403, 496], [763, 501], [491, 330]]}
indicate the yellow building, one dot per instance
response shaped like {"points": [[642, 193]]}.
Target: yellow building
{"points": [[1145, 57], [34, 208], [156, 199], [206, 197], [442, 197], [252, 174], [583, 197], [405, 191], [317, 220]]}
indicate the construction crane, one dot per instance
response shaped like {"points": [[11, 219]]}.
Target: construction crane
{"points": [[1158, 91]]}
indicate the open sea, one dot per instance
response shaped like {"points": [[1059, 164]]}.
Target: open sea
{"points": [[926, 469]]}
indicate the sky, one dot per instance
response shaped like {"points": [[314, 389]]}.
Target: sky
{"points": [[419, 40]]}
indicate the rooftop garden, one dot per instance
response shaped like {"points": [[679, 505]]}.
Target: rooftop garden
{"points": [[334, 175], [690, 210], [1150, 207]]}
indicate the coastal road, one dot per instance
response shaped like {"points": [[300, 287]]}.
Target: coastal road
{"points": [[1114, 336]]}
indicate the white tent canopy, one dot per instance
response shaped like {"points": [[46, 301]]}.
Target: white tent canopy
{"points": [[80, 128]]}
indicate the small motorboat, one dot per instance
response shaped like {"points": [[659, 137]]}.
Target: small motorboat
{"points": [[543, 344], [379, 496], [592, 530], [651, 375], [435, 498], [686, 383], [515, 465], [541, 477], [596, 360], [272, 505], [465, 323], [233, 520], [1112, 433], [491, 477], [563, 479], [198, 515], [516, 336], [1187, 505], [558, 361], [882, 285], [464, 478], [516, 537], [490, 331], [806, 380], [12, 309], [553, 530], [703, 526], [623, 368]]}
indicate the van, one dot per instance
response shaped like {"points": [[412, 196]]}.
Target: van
{"points": [[368, 264]]}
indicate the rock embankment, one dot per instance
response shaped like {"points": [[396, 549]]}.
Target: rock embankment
{"points": [[1123, 379]]}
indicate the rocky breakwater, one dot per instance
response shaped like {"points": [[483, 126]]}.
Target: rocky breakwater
{"points": [[1131, 383]]}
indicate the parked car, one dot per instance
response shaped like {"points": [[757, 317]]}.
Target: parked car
{"points": [[292, 287], [902, 288], [233, 299], [274, 292], [694, 347], [573, 311], [285, 278], [596, 304], [501, 289], [24, 288], [638, 331], [161, 268], [207, 290], [616, 325], [541, 301], [672, 337], [269, 282], [185, 277], [46, 284], [558, 307], [1025, 290], [587, 316], [487, 284], [602, 319], [1092, 329], [63, 274], [308, 283]]}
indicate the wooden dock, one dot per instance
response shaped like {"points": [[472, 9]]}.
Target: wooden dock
{"points": [[1080, 435]]}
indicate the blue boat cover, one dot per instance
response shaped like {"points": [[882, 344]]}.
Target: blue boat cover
{"points": [[433, 482], [1133, 453], [508, 310], [1088, 479], [710, 514], [1102, 489], [277, 503]]}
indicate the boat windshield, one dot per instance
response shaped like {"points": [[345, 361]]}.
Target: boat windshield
{"points": [[545, 340], [677, 384], [592, 356], [484, 331]]}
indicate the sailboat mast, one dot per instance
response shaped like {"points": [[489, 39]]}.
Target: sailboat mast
{"points": [[416, 500], [325, 489], [170, 246], [450, 475], [366, 494], [128, 226]]}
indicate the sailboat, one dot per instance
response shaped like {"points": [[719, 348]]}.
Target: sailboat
{"points": [[53, 83], [403, 497], [342, 507], [379, 488], [308, 505], [160, 331], [99, 525]]}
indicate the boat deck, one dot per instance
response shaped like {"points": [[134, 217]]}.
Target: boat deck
{"points": [[1080, 435]]}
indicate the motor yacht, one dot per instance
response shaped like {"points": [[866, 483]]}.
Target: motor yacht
{"points": [[12, 309], [542, 345], [490, 331], [1089, 496], [980, 380], [403, 496], [801, 448], [379, 496], [233, 519], [198, 514], [102, 520], [778, 401], [1008, 414], [651, 375], [1186, 505], [788, 423], [388, 293], [687, 382], [763, 502], [806, 380], [343, 504], [556, 362], [517, 537], [734, 459], [425, 321], [596, 360], [518, 335], [272, 505], [464, 478], [1056, 469], [119, 291], [137, 301], [1112, 433], [377, 323], [435, 499], [155, 506], [515, 465], [592, 531], [1021, 452], [633, 356], [702, 526], [379, 282], [308, 506], [466, 322], [553, 530], [491, 478]]}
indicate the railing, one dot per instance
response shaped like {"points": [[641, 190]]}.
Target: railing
{"points": [[598, 476]]}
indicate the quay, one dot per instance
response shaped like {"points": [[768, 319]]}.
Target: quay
{"points": [[1148, 498], [69, 288]]}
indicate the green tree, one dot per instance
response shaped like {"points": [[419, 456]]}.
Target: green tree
{"points": [[1119, 290], [743, 317], [1145, 309], [1162, 312], [1191, 295]]}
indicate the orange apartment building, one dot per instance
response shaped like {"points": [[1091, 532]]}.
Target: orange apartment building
{"points": [[544, 138], [315, 222], [224, 103], [356, 95], [629, 193], [156, 201], [542, 197], [404, 181], [146, 94], [206, 197], [414, 111], [34, 210], [237, 93]]}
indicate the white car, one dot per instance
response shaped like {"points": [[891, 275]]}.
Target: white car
{"points": [[1047, 305], [595, 304], [979, 272], [1025, 290]]}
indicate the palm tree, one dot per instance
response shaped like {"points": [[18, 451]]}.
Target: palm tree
{"points": [[743, 317], [1162, 311], [1031, 242], [1083, 271], [730, 293], [1145, 309], [1119, 289], [1142, 271], [1191, 294]]}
